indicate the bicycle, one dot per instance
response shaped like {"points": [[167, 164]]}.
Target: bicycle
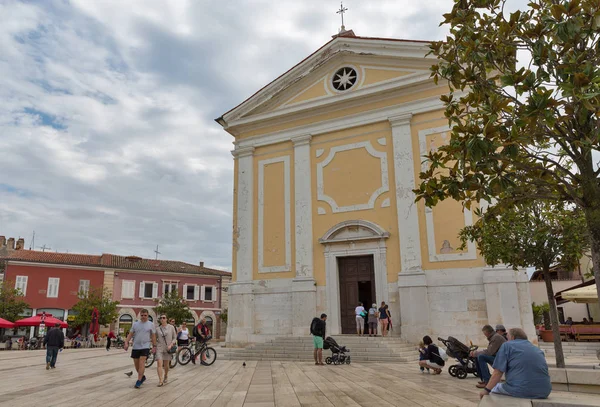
{"points": [[152, 357], [207, 354]]}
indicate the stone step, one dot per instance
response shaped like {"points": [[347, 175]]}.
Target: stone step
{"points": [[309, 357], [353, 347], [583, 345]]}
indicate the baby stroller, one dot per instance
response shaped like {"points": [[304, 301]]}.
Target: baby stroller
{"points": [[338, 353], [460, 351]]}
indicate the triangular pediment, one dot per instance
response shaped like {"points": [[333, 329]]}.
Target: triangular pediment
{"points": [[344, 69]]}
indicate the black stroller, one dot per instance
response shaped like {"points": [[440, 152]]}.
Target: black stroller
{"points": [[338, 353], [460, 351]]}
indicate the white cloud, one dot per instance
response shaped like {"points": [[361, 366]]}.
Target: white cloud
{"points": [[106, 127]]}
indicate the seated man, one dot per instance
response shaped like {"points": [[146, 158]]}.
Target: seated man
{"points": [[501, 330], [487, 355], [525, 368]]}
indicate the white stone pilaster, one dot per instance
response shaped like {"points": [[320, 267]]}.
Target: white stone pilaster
{"points": [[414, 305], [245, 213], [241, 297], [404, 171], [304, 297], [303, 207]]}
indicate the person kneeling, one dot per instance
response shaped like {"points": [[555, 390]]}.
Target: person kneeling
{"points": [[432, 359]]}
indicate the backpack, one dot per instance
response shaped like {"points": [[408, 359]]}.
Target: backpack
{"points": [[313, 325]]}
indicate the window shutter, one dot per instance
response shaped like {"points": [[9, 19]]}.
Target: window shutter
{"points": [[142, 289], [166, 289], [154, 290], [56, 287], [196, 292], [214, 293], [131, 289], [202, 293], [185, 291]]}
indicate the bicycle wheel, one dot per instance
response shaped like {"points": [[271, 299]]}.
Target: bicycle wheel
{"points": [[208, 356], [184, 356], [173, 361], [150, 360]]}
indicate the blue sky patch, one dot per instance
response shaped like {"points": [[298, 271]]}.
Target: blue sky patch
{"points": [[46, 119]]}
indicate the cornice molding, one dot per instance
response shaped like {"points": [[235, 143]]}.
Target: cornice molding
{"points": [[301, 140], [241, 152], [400, 120]]}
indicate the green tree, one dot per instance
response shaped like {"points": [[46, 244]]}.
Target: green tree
{"points": [[538, 314], [536, 234], [12, 304], [523, 106], [173, 306], [99, 298]]}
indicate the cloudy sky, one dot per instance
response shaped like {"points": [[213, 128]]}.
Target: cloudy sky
{"points": [[107, 134]]}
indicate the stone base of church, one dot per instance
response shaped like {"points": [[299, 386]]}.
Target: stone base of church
{"points": [[452, 302]]}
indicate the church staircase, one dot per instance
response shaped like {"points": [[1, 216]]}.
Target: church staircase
{"points": [[362, 349], [572, 349]]}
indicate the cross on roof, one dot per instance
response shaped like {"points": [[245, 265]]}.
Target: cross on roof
{"points": [[157, 252], [341, 12]]}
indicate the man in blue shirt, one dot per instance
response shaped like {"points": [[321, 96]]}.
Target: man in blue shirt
{"points": [[525, 367]]}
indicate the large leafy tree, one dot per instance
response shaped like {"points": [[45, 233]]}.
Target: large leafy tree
{"points": [[99, 298], [12, 304], [536, 234], [523, 106], [173, 305]]}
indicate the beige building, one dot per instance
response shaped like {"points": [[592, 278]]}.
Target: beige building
{"points": [[326, 158]]}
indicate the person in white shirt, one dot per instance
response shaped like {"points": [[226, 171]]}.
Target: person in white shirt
{"points": [[360, 319], [183, 335]]}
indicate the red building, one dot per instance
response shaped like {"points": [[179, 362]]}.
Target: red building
{"points": [[51, 282]]}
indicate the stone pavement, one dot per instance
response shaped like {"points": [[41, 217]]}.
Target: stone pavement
{"points": [[96, 377]]}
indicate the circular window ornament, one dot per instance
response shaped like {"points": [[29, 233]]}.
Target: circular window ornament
{"points": [[344, 79]]}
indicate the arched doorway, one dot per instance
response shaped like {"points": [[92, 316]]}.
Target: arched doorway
{"points": [[355, 266], [125, 323]]}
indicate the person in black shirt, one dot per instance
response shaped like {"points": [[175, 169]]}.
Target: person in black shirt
{"points": [[54, 340], [432, 358], [317, 329]]}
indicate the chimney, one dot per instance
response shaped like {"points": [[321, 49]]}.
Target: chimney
{"points": [[201, 264], [20, 244], [10, 243], [2, 241]]}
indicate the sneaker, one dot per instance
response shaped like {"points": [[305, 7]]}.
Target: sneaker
{"points": [[143, 378], [138, 384], [47, 365]]}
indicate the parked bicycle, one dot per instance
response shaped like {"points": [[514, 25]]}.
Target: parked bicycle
{"points": [[208, 355]]}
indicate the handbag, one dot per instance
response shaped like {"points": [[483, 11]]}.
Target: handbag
{"points": [[172, 349]]}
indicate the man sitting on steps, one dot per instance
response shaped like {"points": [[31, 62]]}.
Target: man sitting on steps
{"points": [[525, 368], [487, 355]]}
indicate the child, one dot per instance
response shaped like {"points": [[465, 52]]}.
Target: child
{"points": [[422, 350]]}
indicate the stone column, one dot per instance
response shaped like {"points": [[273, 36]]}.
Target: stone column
{"points": [[412, 283], [508, 299], [304, 300], [241, 297]]}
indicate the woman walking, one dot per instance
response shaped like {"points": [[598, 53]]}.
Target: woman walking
{"points": [[183, 335], [166, 338], [384, 318]]}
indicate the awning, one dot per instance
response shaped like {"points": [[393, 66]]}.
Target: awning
{"points": [[49, 321], [581, 293], [6, 324]]}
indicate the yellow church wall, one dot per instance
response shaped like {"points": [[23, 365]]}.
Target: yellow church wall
{"points": [[375, 75], [448, 216], [274, 209], [363, 106], [315, 91], [350, 178]]}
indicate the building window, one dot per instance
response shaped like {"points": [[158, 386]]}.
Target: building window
{"points": [[84, 288], [169, 288], [148, 289], [21, 284], [53, 284], [561, 315], [208, 293], [127, 289], [192, 292]]}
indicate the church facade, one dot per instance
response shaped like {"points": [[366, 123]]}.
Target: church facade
{"points": [[326, 158]]}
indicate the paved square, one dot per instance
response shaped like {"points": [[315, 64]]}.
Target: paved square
{"points": [[96, 377]]}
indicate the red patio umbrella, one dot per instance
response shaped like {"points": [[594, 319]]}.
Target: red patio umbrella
{"points": [[6, 324], [49, 321]]}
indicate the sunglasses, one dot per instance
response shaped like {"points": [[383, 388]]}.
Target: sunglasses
{"points": [[163, 317]]}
